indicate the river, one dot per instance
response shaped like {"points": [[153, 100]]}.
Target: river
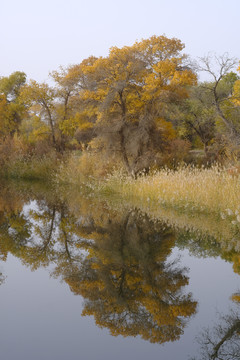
{"points": [[83, 277]]}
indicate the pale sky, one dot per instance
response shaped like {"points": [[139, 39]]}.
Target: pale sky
{"points": [[38, 36]]}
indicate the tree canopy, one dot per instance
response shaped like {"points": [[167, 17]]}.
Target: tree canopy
{"points": [[141, 106]]}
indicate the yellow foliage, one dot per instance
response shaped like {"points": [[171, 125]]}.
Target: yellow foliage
{"points": [[34, 130], [8, 111], [133, 75], [236, 298], [236, 92], [166, 128]]}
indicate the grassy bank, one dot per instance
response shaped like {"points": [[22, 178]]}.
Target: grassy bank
{"points": [[116, 195], [204, 190], [201, 224], [189, 189], [31, 168], [204, 202]]}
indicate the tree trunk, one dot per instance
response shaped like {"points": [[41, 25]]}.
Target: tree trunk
{"points": [[234, 133], [51, 124], [123, 151]]}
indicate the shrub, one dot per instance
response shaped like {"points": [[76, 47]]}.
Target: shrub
{"points": [[77, 169], [18, 160]]}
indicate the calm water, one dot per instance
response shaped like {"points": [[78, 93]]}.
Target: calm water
{"points": [[84, 278]]}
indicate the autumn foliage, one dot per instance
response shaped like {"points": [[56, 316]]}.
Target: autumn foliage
{"points": [[141, 107]]}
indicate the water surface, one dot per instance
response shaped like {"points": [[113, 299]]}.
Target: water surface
{"points": [[87, 278]]}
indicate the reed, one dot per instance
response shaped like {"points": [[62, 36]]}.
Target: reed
{"points": [[188, 189], [214, 189]]}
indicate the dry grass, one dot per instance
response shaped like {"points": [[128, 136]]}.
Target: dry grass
{"points": [[21, 161], [86, 168], [188, 189], [202, 225], [212, 190]]}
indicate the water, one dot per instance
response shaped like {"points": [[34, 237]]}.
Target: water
{"points": [[87, 278]]}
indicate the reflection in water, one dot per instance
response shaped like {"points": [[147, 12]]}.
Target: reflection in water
{"points": [[128, 285], [223, 341], [2, 278], [116, 260]]}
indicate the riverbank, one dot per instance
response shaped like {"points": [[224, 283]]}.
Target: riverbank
{"points": [[204, 229], [192, 189], [30, 166], [188, 189]]}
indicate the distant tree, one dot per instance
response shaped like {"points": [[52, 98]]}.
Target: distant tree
{"points": [[67, 86], [11, 109], [198, 117], [53, 110], [10, 86], [39, 99], [220, 91]]}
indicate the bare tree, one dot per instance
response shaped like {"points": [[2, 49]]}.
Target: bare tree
{"points": [[218, 67]]}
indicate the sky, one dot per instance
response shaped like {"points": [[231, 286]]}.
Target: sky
{"points": [[39, 36]]}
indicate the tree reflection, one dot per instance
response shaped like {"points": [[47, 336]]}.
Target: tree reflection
{"points": [[118, 261], [14, 227], [223, 341], [39, 232], [127, 282], [2, 278]]}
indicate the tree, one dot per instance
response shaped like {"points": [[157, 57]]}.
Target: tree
{"points": [[67, 82], [129, 92], [11, 86], [7, 125], [52, 110], [236, 90], [40, 101], [221, 88], [11, 109], [198, 117]]}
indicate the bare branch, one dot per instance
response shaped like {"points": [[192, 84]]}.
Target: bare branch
{"points": [[217, 65]]}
